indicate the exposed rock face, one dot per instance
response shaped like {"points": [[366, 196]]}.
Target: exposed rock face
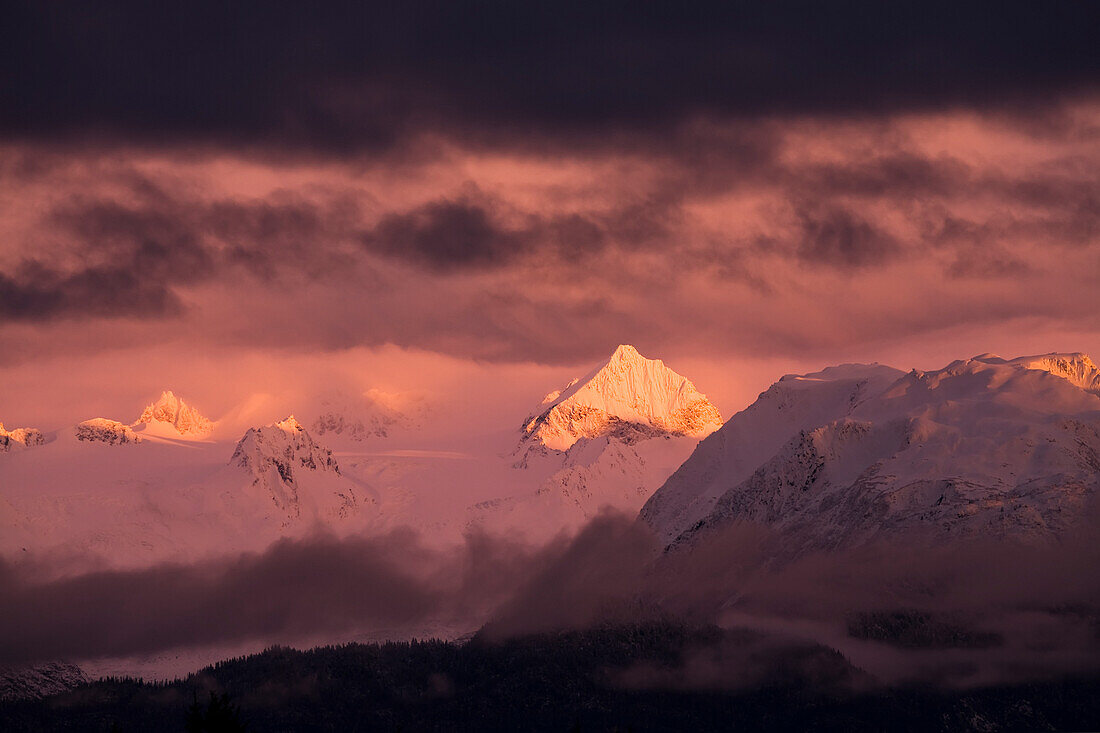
{"points": [[279, 457], [630, 396], [19, 437], [102, 430], [41, 680], [173, 411], [984, 448]]}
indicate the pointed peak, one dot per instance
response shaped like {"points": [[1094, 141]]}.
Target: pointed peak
{"points": [[624, 351], [628, 389], [626, 355], [167, 398], [290, 424]]}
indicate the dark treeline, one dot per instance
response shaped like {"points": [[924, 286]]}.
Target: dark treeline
{"points": [[657, 676]]}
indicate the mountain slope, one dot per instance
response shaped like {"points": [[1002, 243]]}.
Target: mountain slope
{"points": [[985, 447], [730, 455]]}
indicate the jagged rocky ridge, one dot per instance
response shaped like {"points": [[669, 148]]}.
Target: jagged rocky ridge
{"points": [[985, 447], [173, 411]]}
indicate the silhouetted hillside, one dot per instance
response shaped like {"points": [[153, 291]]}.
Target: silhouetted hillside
{"points": [[661, 676]]}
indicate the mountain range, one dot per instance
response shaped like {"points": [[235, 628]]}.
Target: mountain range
{"points": [[983, 448], [853, 453], [169, 485]]}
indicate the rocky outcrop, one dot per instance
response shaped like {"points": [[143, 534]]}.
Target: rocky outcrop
{"points": [[20, 438], [102, 430]]}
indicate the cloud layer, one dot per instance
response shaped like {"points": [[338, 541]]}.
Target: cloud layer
{"points": [[516, 184], [794, 237], [367, 77], [1032, 610]]}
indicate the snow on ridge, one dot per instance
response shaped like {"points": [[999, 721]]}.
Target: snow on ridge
{"points": [[729, 455], [1076, 367], [102, 430]]}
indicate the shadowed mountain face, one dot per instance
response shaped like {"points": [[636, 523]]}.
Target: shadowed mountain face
{"points": [[983, 448]]}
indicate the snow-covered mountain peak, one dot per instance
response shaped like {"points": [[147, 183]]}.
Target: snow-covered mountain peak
{"points": [[625, 353], [283, 460], [290, 425], [285, 445], [627, 389], [171, 411]]}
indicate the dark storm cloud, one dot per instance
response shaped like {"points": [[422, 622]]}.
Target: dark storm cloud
{"points": [[128, 259], [128, 254], [447, 234], [349, 76], [469, 232], [35, 292], [841, 239], [896, 175]]}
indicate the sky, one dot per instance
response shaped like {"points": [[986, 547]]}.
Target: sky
{"points": [[478, 197]]}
